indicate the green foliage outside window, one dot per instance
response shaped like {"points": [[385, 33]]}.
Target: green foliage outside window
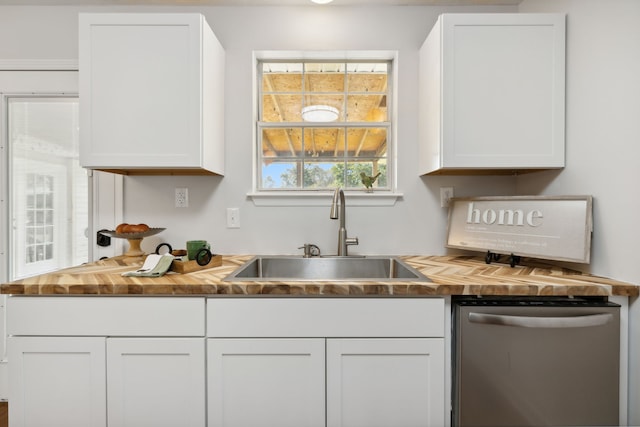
{"points": [[319, 176]]}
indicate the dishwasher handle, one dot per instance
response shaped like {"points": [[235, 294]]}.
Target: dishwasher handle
{"points": [[541, 322]]}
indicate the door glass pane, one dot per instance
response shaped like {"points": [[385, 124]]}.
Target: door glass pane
{"points": [[48, 188]]}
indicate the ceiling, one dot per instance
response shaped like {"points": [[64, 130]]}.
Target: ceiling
{"points": [[286, 91], [260, 2]]}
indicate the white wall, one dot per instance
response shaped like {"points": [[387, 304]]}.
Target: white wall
{"points": [[415, 225], [603, 96], [602, 126], [603, 138]]}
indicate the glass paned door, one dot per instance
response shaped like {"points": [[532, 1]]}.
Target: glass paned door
{"points": [[39, 225], [48, 188]]}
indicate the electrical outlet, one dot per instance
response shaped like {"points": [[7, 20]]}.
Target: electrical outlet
{"points": [[182, 197], [446, 193], [233, 217]]}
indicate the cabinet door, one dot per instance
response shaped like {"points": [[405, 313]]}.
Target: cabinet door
{"points": [[385, 382], [156, 382], [150, 92], [266, 382], [57, 381], [492, 92]]}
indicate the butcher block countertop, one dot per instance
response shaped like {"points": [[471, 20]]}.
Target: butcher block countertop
{"points": [[450, 275]]}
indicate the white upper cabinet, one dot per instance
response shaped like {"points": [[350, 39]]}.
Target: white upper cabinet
{"points": [[151, 94], [492, 90]]}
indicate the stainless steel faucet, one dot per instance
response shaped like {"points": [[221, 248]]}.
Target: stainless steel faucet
{"points": [[343, 240]]}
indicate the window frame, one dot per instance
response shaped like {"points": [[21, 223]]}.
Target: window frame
{"points": [[309, 197]]}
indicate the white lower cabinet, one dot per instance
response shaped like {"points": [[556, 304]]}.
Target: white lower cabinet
{"points": [[385, 382], [226, 362], [67, 381], [302, 362], [266, 382], [103, 361], [155, 382], [57, 381], [367, 382]]}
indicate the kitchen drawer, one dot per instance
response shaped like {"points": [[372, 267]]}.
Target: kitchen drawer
{"points": [[325, 317], [100, 316]]}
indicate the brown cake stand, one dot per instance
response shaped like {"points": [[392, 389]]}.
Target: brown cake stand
{"points": [[134, 239]]}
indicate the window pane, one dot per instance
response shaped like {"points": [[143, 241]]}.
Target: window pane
{"points": [[279, 108], [321, 102], [324, 142], [366, 108], [367, 77], [321, 77], [367, 142], [319, 175], [281, 77], [282, 142], [370, 169], [281, 175], [48, 234]]}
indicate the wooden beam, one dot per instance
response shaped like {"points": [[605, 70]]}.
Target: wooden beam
{"points": [[276, 105]]}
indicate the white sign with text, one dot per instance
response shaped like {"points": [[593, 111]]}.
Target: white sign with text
{"points": [[556, 228]]}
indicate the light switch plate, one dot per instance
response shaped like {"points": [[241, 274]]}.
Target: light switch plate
{"points": [[233, 217]]}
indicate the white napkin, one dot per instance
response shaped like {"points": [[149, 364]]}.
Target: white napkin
{"points": [[154, 266]]}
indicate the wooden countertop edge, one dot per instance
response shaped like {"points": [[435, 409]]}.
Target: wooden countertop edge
{"points": [[450, 275]]}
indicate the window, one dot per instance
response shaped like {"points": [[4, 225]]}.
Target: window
{"points": [[49, 207], [321, 124]]}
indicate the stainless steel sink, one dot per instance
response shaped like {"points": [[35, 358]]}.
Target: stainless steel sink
{"points": [[279, 268]]}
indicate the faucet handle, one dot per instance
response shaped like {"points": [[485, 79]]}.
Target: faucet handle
{"points": [[310, 250], [351, 241]]}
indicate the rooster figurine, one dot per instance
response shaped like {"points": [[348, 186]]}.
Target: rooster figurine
{"points": [[368, 180]]}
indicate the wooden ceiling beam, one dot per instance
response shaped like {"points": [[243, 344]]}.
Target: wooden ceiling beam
{"points": [[267, 142], [276, 105], [307, 84]]}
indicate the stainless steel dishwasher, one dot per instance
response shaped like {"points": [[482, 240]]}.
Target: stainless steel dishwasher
{"points": [[535, 361]]}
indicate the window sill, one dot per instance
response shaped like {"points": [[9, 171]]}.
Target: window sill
{"points": [[322, 198]]}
